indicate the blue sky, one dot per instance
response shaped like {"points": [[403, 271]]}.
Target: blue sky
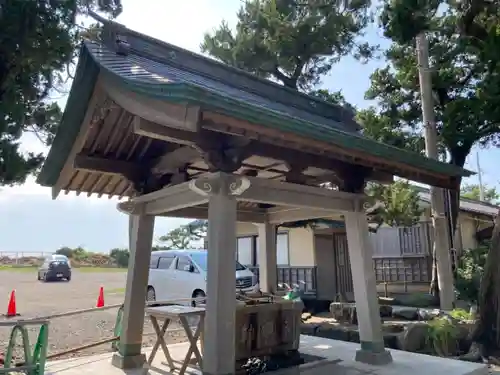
{"points": [[31, 222]]}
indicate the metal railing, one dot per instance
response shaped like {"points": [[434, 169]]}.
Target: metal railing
{"points": [[408, 278], [305, 276], [34, 362]]}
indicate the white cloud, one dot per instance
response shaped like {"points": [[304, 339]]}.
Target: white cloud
{"points": [[30, 220], [181, 23]]}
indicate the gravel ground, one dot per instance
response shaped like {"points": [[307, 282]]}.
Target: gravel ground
{"points": [[38, 299]]}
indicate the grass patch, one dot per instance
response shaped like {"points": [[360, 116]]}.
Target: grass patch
{"points": [[17, 268], [114, 291]]}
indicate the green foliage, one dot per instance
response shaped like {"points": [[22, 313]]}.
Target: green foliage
{"points": [[401, 204], [66, 251], [334, 97], [442, 336], [471, 191], [81, 257], [470, 272], [183, 236], [464, 55], [73, 253], [290, 42], [179, 238], [38, 43], [460, 314], [120, 257]]}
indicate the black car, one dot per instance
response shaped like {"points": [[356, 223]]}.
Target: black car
{"points": [[55, 267]]}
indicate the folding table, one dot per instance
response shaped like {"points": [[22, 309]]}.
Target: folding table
{"points": [[182, 314]]}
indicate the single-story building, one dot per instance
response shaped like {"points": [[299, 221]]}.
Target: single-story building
{"points": [[317, 257]]}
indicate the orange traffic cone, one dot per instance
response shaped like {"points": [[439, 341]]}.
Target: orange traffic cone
{"points": [[100, 299], [11, 308]]}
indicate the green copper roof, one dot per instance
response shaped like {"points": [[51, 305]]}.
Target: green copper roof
{"points": [[165, 80]]}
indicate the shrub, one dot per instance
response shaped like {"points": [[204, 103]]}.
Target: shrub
{"points": [[469, 273], [461, 314], [442, 337], [120, 257]]}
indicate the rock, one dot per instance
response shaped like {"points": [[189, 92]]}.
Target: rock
{"points": [[419, 300], [344, 312], [429, 314], [413, 338], [465, 331], [388, 301], [334, 333], [354, 336], [309, 329], [385, 311], [306, 316], [393, 328], [391, 341], [408, 313]]}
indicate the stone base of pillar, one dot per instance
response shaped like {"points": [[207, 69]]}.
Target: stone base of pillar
{"points": [[374, 358], [128, 362]]}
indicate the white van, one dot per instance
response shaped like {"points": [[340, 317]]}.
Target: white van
{"points": [[182, 274]]}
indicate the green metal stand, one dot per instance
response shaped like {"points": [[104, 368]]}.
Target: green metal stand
{"points": [[115, 345], [36, 361]]}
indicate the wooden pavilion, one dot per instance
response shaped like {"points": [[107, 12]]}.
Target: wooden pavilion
{"points": [[179, 134]]}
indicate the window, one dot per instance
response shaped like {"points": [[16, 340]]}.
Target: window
{"points": [[153, 263], [282, 250], [245, 250], [201, 260], [182, 262], [165, 261]]}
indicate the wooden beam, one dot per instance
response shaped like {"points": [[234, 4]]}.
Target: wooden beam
{"points": [[287, 215], [201, 212], [106, 166], [206, 137], [167, 114], [96, 99], [155, 130], [300, 196], [172, 161], [229, 125], [170, 198]]}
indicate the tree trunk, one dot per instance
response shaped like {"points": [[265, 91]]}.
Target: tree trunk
{"points": [[486, 334], [434, 287], [458, 157], [455, 205]]}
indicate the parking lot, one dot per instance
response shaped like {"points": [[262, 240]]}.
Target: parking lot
{"points": [[38, 299]]}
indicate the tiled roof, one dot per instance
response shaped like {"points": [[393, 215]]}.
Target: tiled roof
{"points": [[138, 68], [152, 68], [468, 205]]}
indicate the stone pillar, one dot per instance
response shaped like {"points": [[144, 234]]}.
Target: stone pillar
{"points": [[220, 319], [268, 277], [140, 241], [365, 291]]}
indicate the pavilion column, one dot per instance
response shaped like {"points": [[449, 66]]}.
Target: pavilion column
{"points": [[267, 256], [220, 319], [365, 291], [140, 241]]}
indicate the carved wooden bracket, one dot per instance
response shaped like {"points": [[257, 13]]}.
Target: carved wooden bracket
{"points": [[223, 153], [353, 178]]}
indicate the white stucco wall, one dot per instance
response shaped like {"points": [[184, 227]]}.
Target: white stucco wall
{"points": [[301, 240], [300, 243]]}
